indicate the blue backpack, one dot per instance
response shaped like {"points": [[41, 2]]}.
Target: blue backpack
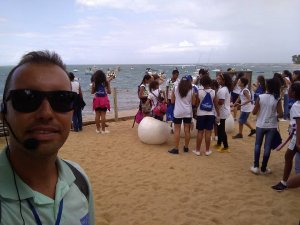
{"points": [[207, 104]]}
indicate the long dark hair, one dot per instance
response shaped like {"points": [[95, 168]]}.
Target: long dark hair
{"points": [[273, 87], [227, 81], [279, 78], [153, 85], [239, 76], [146, 77], [288, 74], [184, 87], [262, 81], [297, 73], [100, 79]]}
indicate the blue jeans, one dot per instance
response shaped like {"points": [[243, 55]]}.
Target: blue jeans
{"points": [[297, 162], [260, 133], [286, 110], [77, 120]]}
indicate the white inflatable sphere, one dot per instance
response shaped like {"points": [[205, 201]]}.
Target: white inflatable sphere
{"points": [[229, 124], [154, 132]]}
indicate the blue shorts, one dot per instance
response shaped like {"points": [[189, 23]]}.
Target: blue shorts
{"points": [[185, 120], [205, 122], [243, 117]]}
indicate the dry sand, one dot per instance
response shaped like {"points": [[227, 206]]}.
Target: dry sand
{"points": [[135, 183]]}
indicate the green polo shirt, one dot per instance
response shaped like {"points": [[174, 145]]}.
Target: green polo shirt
{"points": [[76, 208]]}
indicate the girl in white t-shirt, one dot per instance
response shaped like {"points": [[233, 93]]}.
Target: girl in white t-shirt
{"points": [[268, 109], [223, 96], [182, 97], [244, 100], [206, 104], [236, 92], [294, 92]]}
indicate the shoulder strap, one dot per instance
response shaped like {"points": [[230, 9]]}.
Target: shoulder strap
{"points": [[80, 180], [155, 96]]}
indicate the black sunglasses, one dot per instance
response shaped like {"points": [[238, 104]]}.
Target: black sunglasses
{"points": [[26, 100]]}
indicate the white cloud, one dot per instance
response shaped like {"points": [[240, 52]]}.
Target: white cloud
{"points": [[3, 19], [134, 5], [186, 44]]}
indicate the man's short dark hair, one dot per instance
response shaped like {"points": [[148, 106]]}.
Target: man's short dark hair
{"points": [[37, 57]]}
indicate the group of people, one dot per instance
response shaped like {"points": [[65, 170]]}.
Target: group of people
{"points": [[211, 102]]}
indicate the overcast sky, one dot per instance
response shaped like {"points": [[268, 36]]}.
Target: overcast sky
{"points": [[151, 31]]}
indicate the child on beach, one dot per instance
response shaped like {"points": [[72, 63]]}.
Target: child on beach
{"points": [[170, 84], [223, 96], [100, 87], [155, 96], [294, 92], [206, 102], [143, 92], [246, 107], [235, 93], [268, 109], [182, 97], [259, 87]]}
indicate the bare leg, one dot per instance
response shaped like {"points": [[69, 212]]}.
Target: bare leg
{"points": [[97, 120], [249, 125], [103, 119], [207, 139], [289, 156], [241, 126], [177, 135], [187, 136], [199, 140]]}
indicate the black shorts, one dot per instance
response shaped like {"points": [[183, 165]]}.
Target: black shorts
{"points": [[234, 97], [185, 120], [99, 109], [205, 122]]}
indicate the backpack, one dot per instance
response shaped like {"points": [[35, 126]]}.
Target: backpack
{"points": [[80, 182], [207, 103]]}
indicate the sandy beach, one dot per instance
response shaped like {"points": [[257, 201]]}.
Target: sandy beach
{"points": [[139, 184]]}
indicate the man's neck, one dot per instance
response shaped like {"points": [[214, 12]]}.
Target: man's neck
{"points": [[39, 173]]}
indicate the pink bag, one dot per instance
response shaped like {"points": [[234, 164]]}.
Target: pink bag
{"points": [[160, 109], [139, 116]]}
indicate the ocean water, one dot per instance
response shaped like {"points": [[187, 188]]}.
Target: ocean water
{"points": [[130, 76]]}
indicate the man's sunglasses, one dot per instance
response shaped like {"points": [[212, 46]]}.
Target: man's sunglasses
{"points": [[26, 100]]}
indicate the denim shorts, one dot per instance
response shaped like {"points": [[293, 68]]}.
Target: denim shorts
{"points": [[185, 120], [205, 122], [243, 117]]}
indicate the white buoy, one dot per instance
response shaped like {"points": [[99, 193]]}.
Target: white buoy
{"points": [[152, 131], [229, 124]]}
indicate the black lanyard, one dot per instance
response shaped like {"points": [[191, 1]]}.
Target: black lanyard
{"points": [[36, 215]]}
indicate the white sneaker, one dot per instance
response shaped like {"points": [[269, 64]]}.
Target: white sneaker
{"points": [[196, 152], [105, 132], [254, 170], [268, 171], [216, 138], [98, 131], [207, 153], [282, 120]]}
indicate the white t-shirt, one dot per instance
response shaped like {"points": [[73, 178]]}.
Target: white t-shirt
{"points": [[183, 106], [237, 89], [247, 107], [267, 115], [171, 85], [223, 93], [75, 86], [201, 95], [294, 112], [153, 98], [286, 89]]}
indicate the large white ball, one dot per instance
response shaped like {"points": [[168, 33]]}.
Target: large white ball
{"points": [[153, 131], [229, 124]]}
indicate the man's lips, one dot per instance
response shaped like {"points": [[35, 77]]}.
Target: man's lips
{"points": [[43, 132]]}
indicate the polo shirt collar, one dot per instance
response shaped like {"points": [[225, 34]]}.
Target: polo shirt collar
{"points": [[8, 188]]}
